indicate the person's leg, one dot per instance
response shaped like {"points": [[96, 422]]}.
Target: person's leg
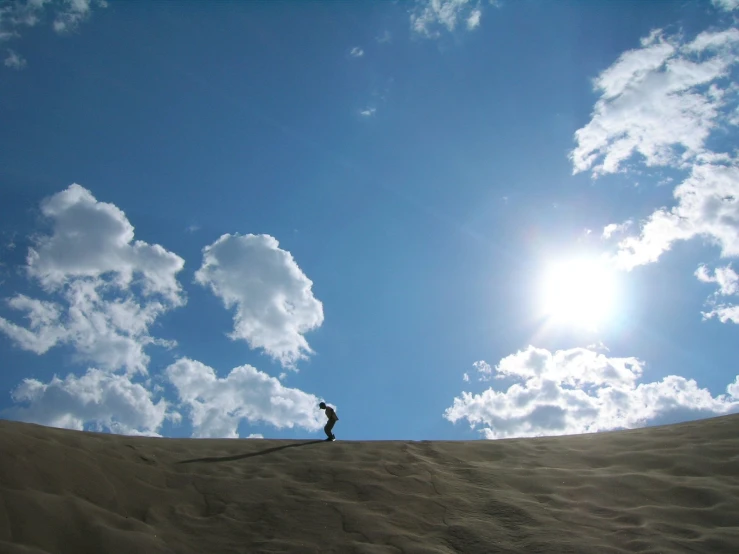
{"points": [[328, 427]]}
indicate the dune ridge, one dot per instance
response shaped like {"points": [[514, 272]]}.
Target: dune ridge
{"points": [[655, 490]]}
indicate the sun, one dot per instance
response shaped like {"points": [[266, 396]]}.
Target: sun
{"points": [[579, 292]]}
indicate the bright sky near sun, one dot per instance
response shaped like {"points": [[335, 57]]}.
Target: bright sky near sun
{"points": [[449, 219]]}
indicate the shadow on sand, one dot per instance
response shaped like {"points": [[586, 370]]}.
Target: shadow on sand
{"points": [[249, 455]]}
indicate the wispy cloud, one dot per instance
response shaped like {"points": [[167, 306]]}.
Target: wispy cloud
{"points": [[728, 286], [384, 38], [725, 277], [65, 17], [356, 52], [613, 228], [727, 5], [368, 112], [429, 17], [473, 20], [14, 60]]}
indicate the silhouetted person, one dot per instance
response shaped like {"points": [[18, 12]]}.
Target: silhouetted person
{"points": [[332, 419]]}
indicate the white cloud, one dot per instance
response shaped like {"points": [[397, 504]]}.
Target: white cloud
{"points": [[598, 347], [430, 15], [613, 228], [713, 40], [45, 330], [724, 313], [728, 285], [707, 206], [217, 405], [660, 101], [274, 303], [368, 112], [91, 263], [727, 5], [473, 21], [483, 369], [356, 52], [95, 239], [74, 12], [733, 388], [65, 15], [107, 401], [725, 277], [14, 60], [466, 377], [384, 38], [255, 436], [577, 391]]}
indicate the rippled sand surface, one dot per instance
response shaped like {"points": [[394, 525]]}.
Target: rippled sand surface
{"points": [[657, 490]]}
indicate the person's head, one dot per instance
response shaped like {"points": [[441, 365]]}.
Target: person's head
{"points": [[322, 405]]}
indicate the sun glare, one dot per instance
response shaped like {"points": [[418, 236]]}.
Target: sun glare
{"points": [[579, 292]]}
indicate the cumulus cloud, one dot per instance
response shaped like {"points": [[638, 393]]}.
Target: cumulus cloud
{"points": [[109, 288], [660, 101], [98, 399], [579, 391], [216, 405], [273, 301], [14, 60], [429, 16], [95, 239]]}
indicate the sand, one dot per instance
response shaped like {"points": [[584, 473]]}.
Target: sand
{"points": [[662, 489]]}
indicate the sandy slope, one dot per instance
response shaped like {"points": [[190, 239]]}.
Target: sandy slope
{"points": [[667, 489]]}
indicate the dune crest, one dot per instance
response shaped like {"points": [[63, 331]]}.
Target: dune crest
{"points": [[662, 489]]}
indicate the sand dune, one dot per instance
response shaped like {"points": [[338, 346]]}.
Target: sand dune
{"points": [[665, 489]]}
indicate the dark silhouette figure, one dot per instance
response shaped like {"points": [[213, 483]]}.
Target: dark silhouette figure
{"points": [[332, 419]]}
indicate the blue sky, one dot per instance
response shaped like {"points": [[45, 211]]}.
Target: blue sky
{"points": [[449, 219]]}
